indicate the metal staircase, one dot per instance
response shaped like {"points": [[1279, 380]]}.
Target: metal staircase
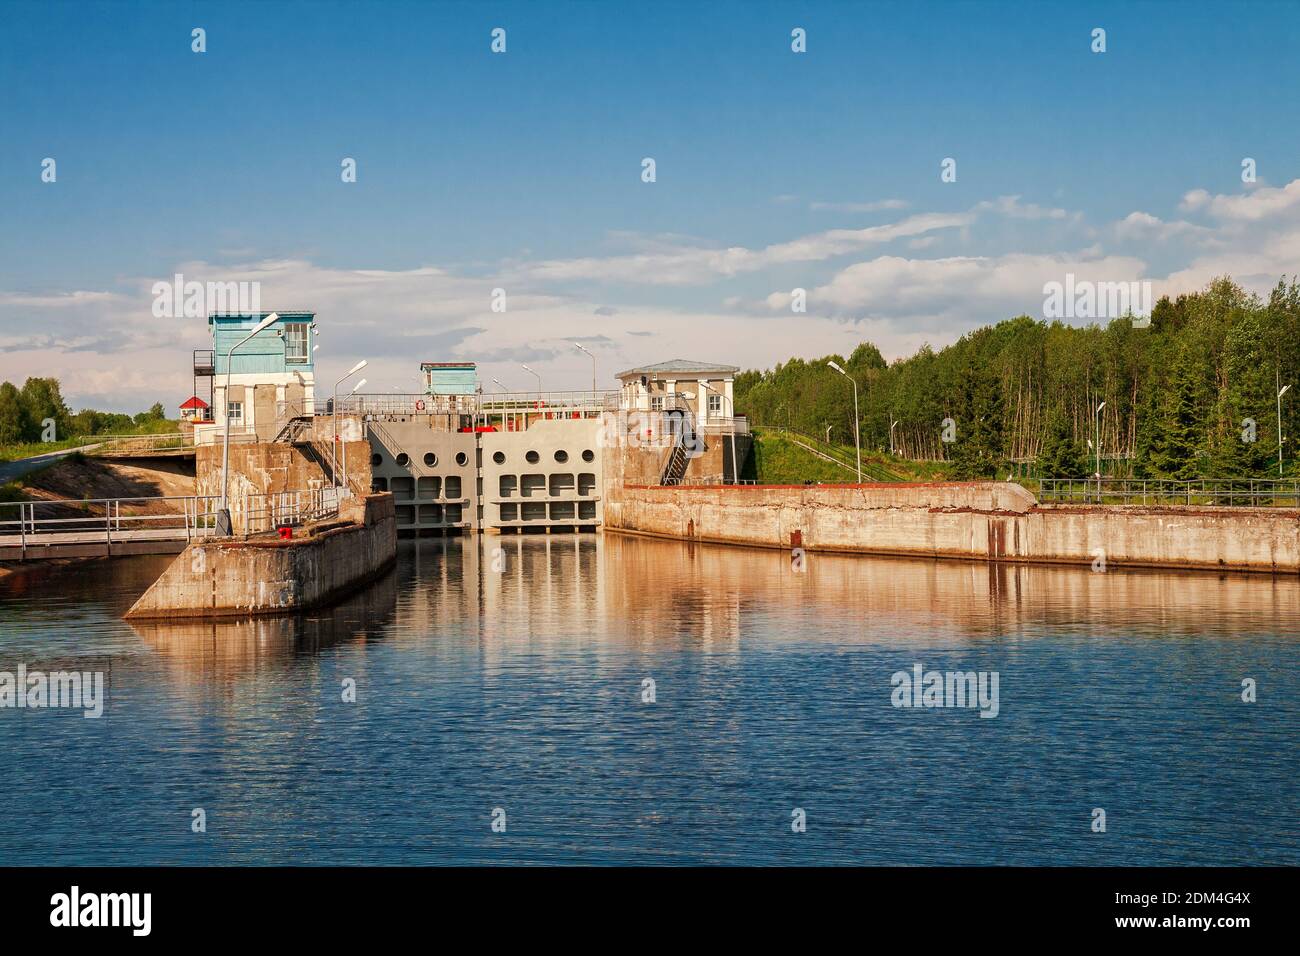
{"points": [[683, 429]]}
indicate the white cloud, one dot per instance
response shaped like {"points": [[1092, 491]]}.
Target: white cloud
{"points": [[1263, 203], [1142, 226], [1013, 208], [110, 352], [691, 265], [877, 206]]}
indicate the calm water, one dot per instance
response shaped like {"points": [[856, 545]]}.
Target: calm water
{"points": [[521, 689]]}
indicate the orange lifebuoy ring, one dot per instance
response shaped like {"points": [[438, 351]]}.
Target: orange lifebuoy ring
{"points": [[419, 404]]}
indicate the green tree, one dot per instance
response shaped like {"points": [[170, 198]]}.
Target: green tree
{"points": [[1176, 444], [1244, 440], [978, 449], [13, 417], [43, 402], [1062, 456]]}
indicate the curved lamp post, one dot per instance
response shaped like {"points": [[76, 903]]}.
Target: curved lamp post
{"points": [[223, 513], [346, 486], [857, 440], [1279, 428], [593, 368], [539, 382], [1099, 408], [352, 371]]}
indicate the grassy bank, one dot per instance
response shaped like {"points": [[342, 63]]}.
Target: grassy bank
{"points": [[15, 451], [782, 460]]}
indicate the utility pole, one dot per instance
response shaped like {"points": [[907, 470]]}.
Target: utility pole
{"points": [[1282, 391], [1099, 408], [224, 526], [857, 440]]}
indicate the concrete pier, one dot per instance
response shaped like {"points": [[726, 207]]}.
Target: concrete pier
{"points": [[267, 575], [992, 521]]}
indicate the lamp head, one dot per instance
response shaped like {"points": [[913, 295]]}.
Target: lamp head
{"points": [[269, 320]]}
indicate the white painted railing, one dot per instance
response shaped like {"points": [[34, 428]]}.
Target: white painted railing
{"points": [[173, 517]]}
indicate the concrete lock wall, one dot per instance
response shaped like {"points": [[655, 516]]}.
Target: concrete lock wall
{"points": [[432, 473], [267, 575], [272, 467], [550, 476], [636, 447], [981, 520]]}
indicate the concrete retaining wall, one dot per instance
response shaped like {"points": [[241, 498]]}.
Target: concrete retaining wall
{"points": [[970, 520], [270, 467], [266, 575]]}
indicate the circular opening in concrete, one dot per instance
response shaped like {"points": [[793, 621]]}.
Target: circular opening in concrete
{"points": [[561, 456], [532, 457], [402, 459], [376, 460], [430, 459], [499, 457], [588, 455], [462, 459]]}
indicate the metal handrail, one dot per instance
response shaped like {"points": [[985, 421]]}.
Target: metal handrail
{"points": [[1211, 492], [251, 514], [159, 441]]}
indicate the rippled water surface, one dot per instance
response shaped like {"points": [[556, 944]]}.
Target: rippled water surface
{"points": [[521, 689]]}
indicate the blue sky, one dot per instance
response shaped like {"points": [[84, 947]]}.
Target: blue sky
{"points": [[522, 171]]}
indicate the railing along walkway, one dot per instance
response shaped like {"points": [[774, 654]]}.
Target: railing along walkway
{"points": [[55, 528], [1208, 492]]}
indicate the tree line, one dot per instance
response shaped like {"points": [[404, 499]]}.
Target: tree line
{"points": [[27, 414], [1191, 394]]}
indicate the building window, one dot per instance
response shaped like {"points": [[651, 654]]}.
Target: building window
{"points": [[715, 404], [657, 403], [295, 342], [235, 412]]}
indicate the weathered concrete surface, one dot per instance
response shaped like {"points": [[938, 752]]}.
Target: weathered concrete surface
{"points": [[266, 575], [259, 468], [996, 521], [1252, 539]]}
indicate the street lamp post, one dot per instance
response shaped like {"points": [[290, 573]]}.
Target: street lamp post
{"points": [[335, 409], [345, 444], [857, 440], [735, 462], [1099, 408], [892, 423], [223, 513], [503, 390], [539, 383], [593, 368], [1280, 393]]}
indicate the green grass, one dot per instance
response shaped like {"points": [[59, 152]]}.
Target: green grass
{"points": [[782, 462], [32, 449], [15, 451]]}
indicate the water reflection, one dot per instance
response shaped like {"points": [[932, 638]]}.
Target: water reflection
{"points": [[534, 594], [221, 650], [507, 671]]}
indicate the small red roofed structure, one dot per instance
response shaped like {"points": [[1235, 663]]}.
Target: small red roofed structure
{"points": [[194, 409]]}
